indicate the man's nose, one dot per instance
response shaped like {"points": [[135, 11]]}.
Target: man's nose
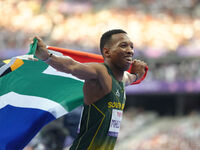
{"points": [[130, 51]]}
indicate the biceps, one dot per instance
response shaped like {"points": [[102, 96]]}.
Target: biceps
{"points": [[84, 71], [68, 65]]}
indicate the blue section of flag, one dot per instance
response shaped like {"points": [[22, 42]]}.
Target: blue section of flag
{"points": [[19, 125]]}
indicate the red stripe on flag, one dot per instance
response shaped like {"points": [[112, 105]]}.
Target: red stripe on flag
{"points": [[82, 57], [143, 77]]}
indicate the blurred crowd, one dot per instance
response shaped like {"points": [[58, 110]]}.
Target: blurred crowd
{"points": [[156, 26], [171, 70], [167, 133]]}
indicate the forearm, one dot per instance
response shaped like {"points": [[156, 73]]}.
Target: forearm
{"points": [[130, 78], [68, 65], [61, 63]]}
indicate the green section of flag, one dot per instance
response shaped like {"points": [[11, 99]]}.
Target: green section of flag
{"points": [[29, 80], [33, 47]]}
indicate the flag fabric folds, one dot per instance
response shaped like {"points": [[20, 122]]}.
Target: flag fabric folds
{"points": [[32, 94], [30, 97]]}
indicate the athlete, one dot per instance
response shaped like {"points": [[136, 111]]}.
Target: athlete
{"points": [[104, 95]]}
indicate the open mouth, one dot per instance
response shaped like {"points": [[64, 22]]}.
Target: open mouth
{"points": [[129, 59]]}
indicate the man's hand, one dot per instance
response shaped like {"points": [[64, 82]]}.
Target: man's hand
{"points": [[138, 67], [41, 50]]}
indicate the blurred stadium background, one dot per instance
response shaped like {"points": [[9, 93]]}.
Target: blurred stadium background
{"points": [[162, 113]]}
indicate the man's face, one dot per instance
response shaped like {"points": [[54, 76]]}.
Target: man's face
{"points": [[121, 51]]}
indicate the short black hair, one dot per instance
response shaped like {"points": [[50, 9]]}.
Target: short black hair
{"points": [[107, 36]]}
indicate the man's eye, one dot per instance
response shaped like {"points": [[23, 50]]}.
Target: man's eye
{"points": [[132, 47], [123, 45]]}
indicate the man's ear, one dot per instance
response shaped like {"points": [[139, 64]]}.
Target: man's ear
{"points": [[106, 52]]}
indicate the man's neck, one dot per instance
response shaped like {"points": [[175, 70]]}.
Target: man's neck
{"points": [[118, 73]]}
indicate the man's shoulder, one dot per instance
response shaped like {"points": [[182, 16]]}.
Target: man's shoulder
{"points": [[101, 69]]}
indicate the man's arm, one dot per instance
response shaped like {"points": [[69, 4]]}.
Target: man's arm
{"points": [[66, 64], [136, 73], [129, 78]]}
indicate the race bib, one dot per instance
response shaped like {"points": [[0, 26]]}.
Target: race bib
{"points": [[115, 122]]}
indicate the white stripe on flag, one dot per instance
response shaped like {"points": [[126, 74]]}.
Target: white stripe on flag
{"points": [[26, 101], [50, 70], [6, 66]]}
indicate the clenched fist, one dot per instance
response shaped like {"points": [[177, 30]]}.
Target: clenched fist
{"points": [[138, 67], [41, 50]]}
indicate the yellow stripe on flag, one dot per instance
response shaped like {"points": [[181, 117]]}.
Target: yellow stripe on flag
{"points": [[6, 61], [17, 64]]}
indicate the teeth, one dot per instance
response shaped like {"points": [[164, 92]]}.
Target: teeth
{"points": [[129, 59]]}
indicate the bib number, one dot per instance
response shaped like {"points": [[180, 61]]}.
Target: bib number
{"points": [[115, 122]]}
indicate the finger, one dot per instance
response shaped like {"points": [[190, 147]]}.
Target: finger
{"points": [[134, 61], [31, 40], [32, 58], [38, 38]]}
